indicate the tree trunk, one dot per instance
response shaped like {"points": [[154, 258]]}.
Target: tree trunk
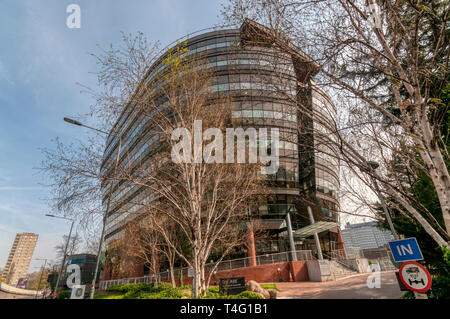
{"points": [[202, 278], [430, 230], [155, 270], [196, 278], [181, 279], [438, 171], [172, 274]]}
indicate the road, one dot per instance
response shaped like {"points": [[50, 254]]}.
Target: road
{"points": [[4, 295], [349, 288]]}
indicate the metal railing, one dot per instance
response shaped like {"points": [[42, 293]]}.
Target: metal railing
{"points": [[343, 261], [339, 254], [382, 257], [223, 265]]}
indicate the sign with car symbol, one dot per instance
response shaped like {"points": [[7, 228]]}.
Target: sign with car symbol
{"points": [[415, 276]]}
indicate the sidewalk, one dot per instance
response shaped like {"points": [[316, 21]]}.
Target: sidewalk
{"points": [[354, 287]]}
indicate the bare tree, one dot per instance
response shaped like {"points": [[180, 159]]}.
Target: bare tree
{"points": [[74, 170], [73, 247], [200, 193], [385, 63]]}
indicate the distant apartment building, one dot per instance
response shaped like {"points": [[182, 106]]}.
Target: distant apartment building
{"points": [[19, 257], [366, 235]]}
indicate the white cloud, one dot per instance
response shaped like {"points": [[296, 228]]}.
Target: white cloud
{"points": [[18, 188], [4, 74]]}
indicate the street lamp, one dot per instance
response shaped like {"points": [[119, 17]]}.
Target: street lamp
{"points": [[374, 165], [65, 250], [75, 122], [40, 278], [78, 123]]}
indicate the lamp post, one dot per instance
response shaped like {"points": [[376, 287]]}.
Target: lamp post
{"points": [[40, 278], [374, 165], [65, 250], [75, 122]]}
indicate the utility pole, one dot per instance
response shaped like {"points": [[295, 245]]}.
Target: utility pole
{"points": [[65, 251], [75, 122], [40, 278], [97, 265]]}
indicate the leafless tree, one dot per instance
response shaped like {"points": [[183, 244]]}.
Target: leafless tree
{"points": [[204, 197], [74, 169], [73, 248], [384, 66], [203, 200]]}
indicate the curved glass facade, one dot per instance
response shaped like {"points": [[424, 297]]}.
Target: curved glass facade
{"points": [[263, 83]]}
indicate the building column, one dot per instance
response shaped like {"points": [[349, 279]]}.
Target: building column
{"points": [[251, 247], [316, 236], [340, 244]]}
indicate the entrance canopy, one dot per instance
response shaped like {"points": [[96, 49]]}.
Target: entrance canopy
{"points": [[314, 228]]}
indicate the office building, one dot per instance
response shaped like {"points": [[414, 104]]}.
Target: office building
{"points": [[266, 85], [366, 235]]}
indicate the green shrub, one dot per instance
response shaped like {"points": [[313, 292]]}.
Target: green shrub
{"points": [[114, 296], [441, 277], [166, 291], [162, 292], [269, 286], [64, 294], [249, 295], [137, 287], [214, 289], [215, 294], [408, 295]]}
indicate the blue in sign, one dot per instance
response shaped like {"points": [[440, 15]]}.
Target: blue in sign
{"points": [[405, 250]]}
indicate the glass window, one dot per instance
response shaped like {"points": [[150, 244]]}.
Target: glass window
{"points": [[257, 113], [246, 86], [224, 87], [247, 113], [234, 86], [268, 114], [277, 115], [222, 79], [236, 114]]}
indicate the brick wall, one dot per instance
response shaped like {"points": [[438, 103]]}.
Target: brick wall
{"points": [[134, 268], [263, 273]]}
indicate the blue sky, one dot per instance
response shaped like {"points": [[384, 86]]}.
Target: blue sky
{"points": [[41, 59]]}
